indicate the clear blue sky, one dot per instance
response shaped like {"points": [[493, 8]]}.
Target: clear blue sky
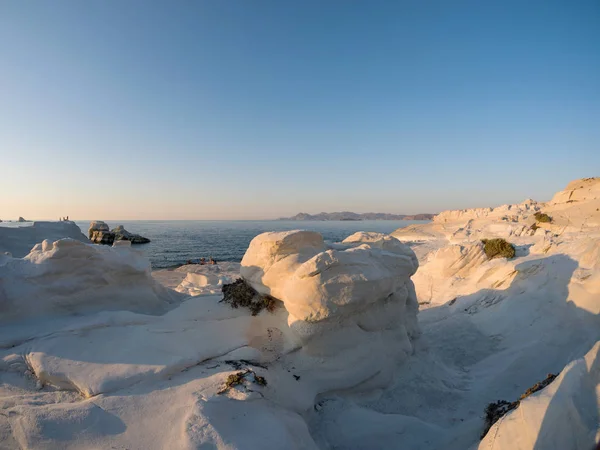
{"points": [[257, 109]]}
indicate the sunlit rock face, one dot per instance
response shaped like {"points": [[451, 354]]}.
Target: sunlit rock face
{"points": [[71, 277], [317, 281], [19, 241]]}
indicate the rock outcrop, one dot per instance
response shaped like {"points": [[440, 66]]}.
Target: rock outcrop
{"points": [[97, 225], [21, 220], [99, 233], [102, 237], [121, 234], [577, 191], [348, 337], [511, 213], [350, 307], [316, 281], [336, 363], [19, 241], [562, 415], [67, 276]]}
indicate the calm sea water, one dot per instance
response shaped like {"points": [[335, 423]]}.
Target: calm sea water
{"points": [[175, 242]]}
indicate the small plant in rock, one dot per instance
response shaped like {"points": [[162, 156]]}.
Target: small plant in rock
{"points": [[240, 293], [538, 386], [534, 227], [234, 379], [261, 381], [238, 378], [498, 248], [542, 217], [495, 411]]}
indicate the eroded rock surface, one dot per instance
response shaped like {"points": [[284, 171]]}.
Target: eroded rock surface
{"points": [[99, 233]]}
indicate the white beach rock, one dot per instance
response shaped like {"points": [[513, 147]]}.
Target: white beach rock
{"points": [[577, 191], [20, 240], [203, 284], [563, 415], [351, 306], [513, 213], [341, 362], [316, 282], [68, 276], [173, 278]]}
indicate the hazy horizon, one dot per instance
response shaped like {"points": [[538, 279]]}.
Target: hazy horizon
{"points": [[113, 219], [259, 110]]}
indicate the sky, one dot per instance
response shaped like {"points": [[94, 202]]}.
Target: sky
{"points": [[261, 109]]}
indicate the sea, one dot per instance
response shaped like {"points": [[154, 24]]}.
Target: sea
{"points": [[174, 242]]}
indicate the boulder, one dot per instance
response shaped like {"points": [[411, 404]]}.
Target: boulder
{"points": [[316, 281], [99, 233], [97, 225], [121, 234], [102, 237], [350, 308]]}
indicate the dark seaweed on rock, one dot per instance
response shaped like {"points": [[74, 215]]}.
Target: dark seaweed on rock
{"points": [[239, 293], [495, 411]]}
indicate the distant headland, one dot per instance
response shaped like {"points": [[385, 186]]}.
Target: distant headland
{"points": [[346, 215]]}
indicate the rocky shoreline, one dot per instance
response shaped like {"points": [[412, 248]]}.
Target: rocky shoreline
{"points": [[421, 339]]}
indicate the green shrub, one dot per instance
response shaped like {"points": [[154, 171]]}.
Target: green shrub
{"points": [[542, 217], [534, 227], [498, 248]]}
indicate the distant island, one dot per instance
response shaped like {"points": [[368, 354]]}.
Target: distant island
{"points": [[346, 215]]}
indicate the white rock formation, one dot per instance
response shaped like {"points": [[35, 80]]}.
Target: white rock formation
{"points": [[513, 213], [563, 415], [341, 365], [316, 282], [20, 240], [355, 346], [586, 189], [71, 277], [351, 306], [222, 273], [203, 284], [508, 323]]}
